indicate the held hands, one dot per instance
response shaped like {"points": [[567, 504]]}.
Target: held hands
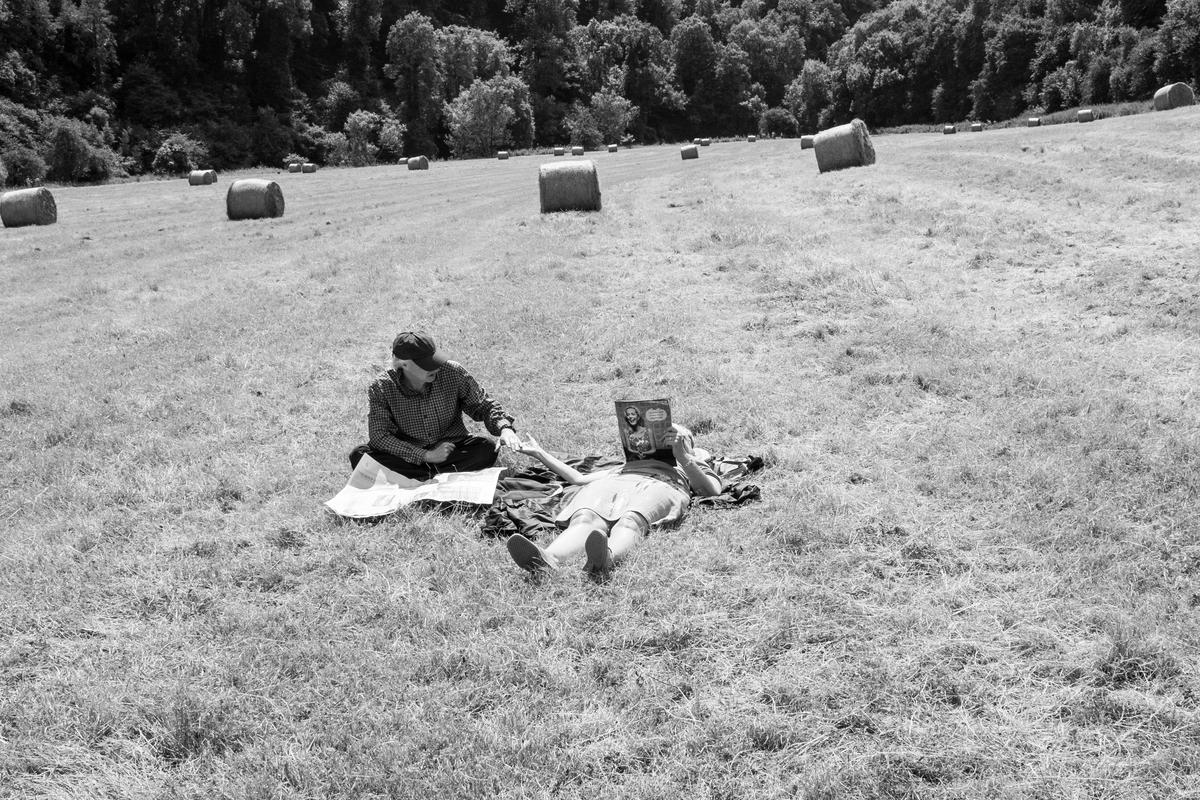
{"points": [[509, 438], [439, 452], [530, 447]]}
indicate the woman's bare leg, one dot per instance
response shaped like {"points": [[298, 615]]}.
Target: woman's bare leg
{"points": [[627, 532], [570, 542]]}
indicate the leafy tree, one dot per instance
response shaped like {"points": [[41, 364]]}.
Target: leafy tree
{"points": [[272, 136], [179, 154], [998, 92], [546, 58], [490, 115], [777, 122], [359, 22], [628, 57], [391, 140], [694, 53], [415, 65], [1133, 77], [145, 98], [86, 42], [338, 102], [1179, 43], [810, 94], [25, 166], [612, 115], [362, 131], [469, 54], [3, 173], [581, 126], [774, 56]]}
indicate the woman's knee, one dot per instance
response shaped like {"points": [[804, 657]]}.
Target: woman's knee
{"points": [[585, 516], [631, 523]]}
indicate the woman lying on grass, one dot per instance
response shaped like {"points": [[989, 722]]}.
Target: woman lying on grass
{"points": [[617, 507]]}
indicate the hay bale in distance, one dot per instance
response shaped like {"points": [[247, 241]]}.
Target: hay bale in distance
{"points": [[502, 155], [295, 166], [570, 186], [845, 146], [308, 167], [1085, 115], [976, 127], [418, 162], [212, 175], [806, 142], [752, 138], [558, 151], [1034, 122], [696, 140], [612, 148], [947, 129], [705, 142], [1174, 95], [576, 150], [689, 151], [22, 207], [253, 198], [199, 177]]}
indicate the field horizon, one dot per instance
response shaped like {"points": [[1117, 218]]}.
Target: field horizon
{"points": [[971, 369]]}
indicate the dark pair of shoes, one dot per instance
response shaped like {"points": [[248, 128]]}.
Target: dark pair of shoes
{"points": [[532, 558], [528, 555], [599, 559]]}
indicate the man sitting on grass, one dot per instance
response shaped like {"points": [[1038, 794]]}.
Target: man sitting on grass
{"points": [[415, 425]]}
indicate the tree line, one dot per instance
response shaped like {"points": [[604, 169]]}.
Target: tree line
{"points": [[90, 89]]}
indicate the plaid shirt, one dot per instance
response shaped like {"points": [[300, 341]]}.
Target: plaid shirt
{"points": [[406, 422]]}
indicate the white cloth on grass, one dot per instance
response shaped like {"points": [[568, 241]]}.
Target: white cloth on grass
{"points": [[374, 490]]}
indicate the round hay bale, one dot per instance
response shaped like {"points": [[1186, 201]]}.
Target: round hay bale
{"points": [[696, 140], [253, 198], [806, 142], [502, 155], [1085, 115], [418, 162], [705, 142], [23, 207], [689, 151], [752, 138], [212, 175], [612, 148], [558, 151], [1174, 95], [576, 150], [308, 167], [198, 177], [570, 186], [948, 129], [845, 146], [295, 166], [1034, 122], [976, 127]]}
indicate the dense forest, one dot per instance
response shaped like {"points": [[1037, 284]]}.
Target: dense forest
{"points": [[91, 89]]}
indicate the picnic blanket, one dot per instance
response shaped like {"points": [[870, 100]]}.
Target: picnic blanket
{"points": [[528, 501], [375, 491]]}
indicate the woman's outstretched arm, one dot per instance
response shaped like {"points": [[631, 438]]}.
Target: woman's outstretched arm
{"points": [[568, 473]]}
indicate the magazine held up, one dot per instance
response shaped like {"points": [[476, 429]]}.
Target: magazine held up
{"points": [[644, 425]]}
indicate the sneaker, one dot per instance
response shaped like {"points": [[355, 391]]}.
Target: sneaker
{"points": [[599, 559], [528, 555]]}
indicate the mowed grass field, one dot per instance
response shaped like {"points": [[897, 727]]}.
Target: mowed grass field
{"points": [[972, 369]]}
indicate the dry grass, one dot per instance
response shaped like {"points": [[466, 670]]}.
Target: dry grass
{"points": [[971, 366]]}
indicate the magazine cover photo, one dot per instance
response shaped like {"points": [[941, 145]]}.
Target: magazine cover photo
{"points": [[644, 425]]}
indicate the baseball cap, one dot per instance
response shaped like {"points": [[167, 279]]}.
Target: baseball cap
{"points": [[418, 347]]}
